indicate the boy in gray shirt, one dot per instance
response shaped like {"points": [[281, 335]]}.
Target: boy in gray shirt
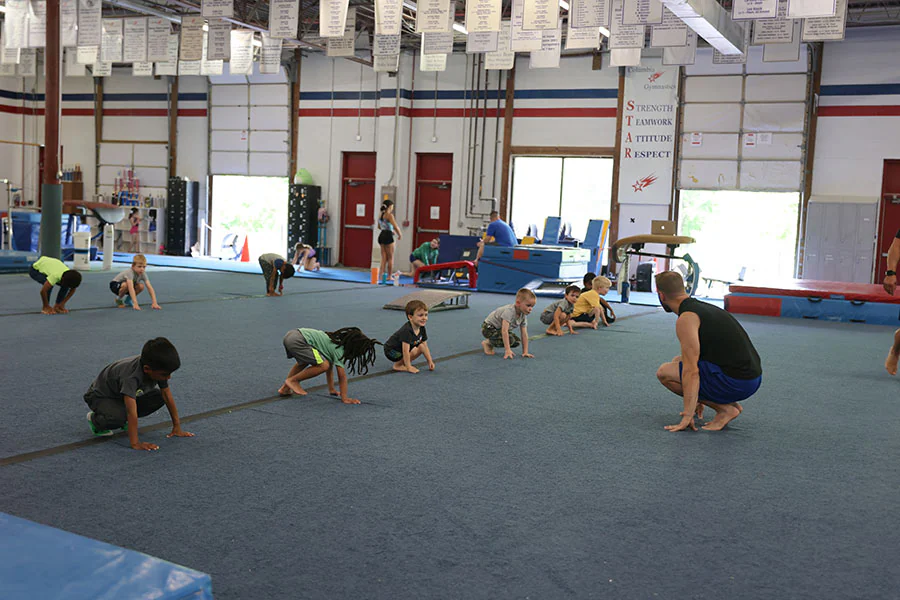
{"points": [[497, 327], [131, 282], [559, 313], [134, 387]]}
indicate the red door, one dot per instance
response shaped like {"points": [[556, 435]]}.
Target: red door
{"points": [[434, 173], [890, 214], [357, 209]]}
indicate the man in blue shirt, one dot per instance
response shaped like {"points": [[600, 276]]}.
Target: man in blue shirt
{"points": [[498, 233]]}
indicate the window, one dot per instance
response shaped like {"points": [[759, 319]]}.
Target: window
{"points": [[577, 189], [251, 207]]}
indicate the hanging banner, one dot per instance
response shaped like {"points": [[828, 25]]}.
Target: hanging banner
{"points": [[142, 69], [346, 45], [774, 31], [585, 37], [207, 66], [170, 65], [503, 58], [270, 55], [111, 42], [801, 9], [522, 40], [432, 62], [217, 8], [101, 69], [686, 55], [191, 39], [754, 9], [333, 18], [625, 57], [284, 18], [671, 33], [27, 66], [189, 67], [647, 153], [589, 13], [734, 59], [433, 16], [72, 67], [218, 40], [483, 15], [386, 64], [388, 17], [8, 70], [8, 56], [89, 22], [15, 24], [241, 52], [548, 56], [386, 45], [642, 12], [823, 29], [789, 52], [158, 31], [37, 24], [87, 55], [135, 49], [483, 41], [540, 14], [624, 36], [440, 42], [68, 23]]}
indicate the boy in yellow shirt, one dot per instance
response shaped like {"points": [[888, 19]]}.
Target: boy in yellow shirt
{"points": [[591, 309]]}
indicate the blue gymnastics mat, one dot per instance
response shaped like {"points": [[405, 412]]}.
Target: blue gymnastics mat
{"points": [[37, 561], [13, 261]]}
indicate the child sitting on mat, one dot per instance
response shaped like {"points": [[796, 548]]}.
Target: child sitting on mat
{"points": [[318, 352], [134, 387], [591, 309], [410, 341], [131, 282], [305, 257], [499, 325], [49, 272], [275, 270], [588, 281], [559, 313]]}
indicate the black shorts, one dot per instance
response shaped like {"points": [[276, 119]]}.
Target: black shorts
{"points": [[392, 354], [115, 286], [584, 318], [385, 238]]}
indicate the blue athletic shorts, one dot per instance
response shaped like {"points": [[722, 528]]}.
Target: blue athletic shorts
{"points": [[718, 387]]}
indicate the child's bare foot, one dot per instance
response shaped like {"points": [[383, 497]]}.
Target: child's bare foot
{"points": [[295, 387], [488, 349], [284, 390], [723, 417], [553, 332], [334, 393], [890, 363], [594, 325]]}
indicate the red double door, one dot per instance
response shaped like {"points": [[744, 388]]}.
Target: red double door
{"points": [[890, 214], [434, 175], [357, 208]]}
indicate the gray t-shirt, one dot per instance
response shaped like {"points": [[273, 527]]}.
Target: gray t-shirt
{"points": [[134, 277], [507, 313], [562, 305], [124, 377]]}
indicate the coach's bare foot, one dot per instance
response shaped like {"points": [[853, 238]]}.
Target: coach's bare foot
{"points": [[488, 349], [724, 415], [890, 363], [284, 390], [295, 387]]}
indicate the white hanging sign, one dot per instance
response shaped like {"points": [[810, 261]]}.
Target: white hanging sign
{"points": [[189, 67], [135, 40], [8, 70], [432, 62], [101, 69], [111, 43], [217, 8], [540, 14], [522, 40], [483, 15], [386, 45], [8, 56], [589, 13], [774, 31], [386, 64], [482, 41], [158, 31], [388, 17], [826, 28], [15, 24], [207, 66], [436, 43], [754, 9], [191, 39], [585, 37], [170, 65], [73, 67], [503, 58], [642, 12], [671, 33], [241, 52], [801, 9], [142, 69], [686, 55], [625, 57], [27, 63], [346, 45], [37, 24], [68, 23], [89, 22], [284, 18], [548, 56], [788, 52], [87, 55], [647, 154], [333, 18], [624, 36], [734, 59], [218, 40], [270, 56], [433, 16]]}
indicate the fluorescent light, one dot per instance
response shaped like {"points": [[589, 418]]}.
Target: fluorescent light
{"points": [[604, 31], [257, 42], [563, 4], [205, 27], [458, 27], [410, 5]]}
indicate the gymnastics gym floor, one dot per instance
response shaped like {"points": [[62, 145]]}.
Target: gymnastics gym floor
{"points": [[486, 479]]}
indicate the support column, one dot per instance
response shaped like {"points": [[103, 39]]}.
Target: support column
{"points": [[295, 114], [614, 209], [173, 127], [507, 142], [51, 189]]}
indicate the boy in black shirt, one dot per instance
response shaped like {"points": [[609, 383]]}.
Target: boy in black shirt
{"points": [[410, 341]]}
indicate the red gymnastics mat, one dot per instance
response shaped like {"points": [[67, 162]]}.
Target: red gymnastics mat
{"points": [[811, 288]]}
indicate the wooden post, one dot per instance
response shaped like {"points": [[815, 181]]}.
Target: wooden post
{"points": [[507, 142], [98, 129], [295, 113], [173, 127], [818, 57], [51, 189], [614, 208]]}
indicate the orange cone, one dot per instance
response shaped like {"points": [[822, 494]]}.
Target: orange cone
{"points": [[245, 253]]}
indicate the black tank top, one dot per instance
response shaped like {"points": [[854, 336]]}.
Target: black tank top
{"points": [[723, 341]]}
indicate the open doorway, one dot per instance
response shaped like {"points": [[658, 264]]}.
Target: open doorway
{"points": [[740, 235], [251, 207]]}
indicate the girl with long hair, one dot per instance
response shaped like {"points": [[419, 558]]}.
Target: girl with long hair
{"points": [[387, 225]]}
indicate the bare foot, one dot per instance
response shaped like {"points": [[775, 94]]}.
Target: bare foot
{"points": [[728, 413], [284, 390], [488, 349], [295, 387], [593, 325], [890, 363], [553, 332]]}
